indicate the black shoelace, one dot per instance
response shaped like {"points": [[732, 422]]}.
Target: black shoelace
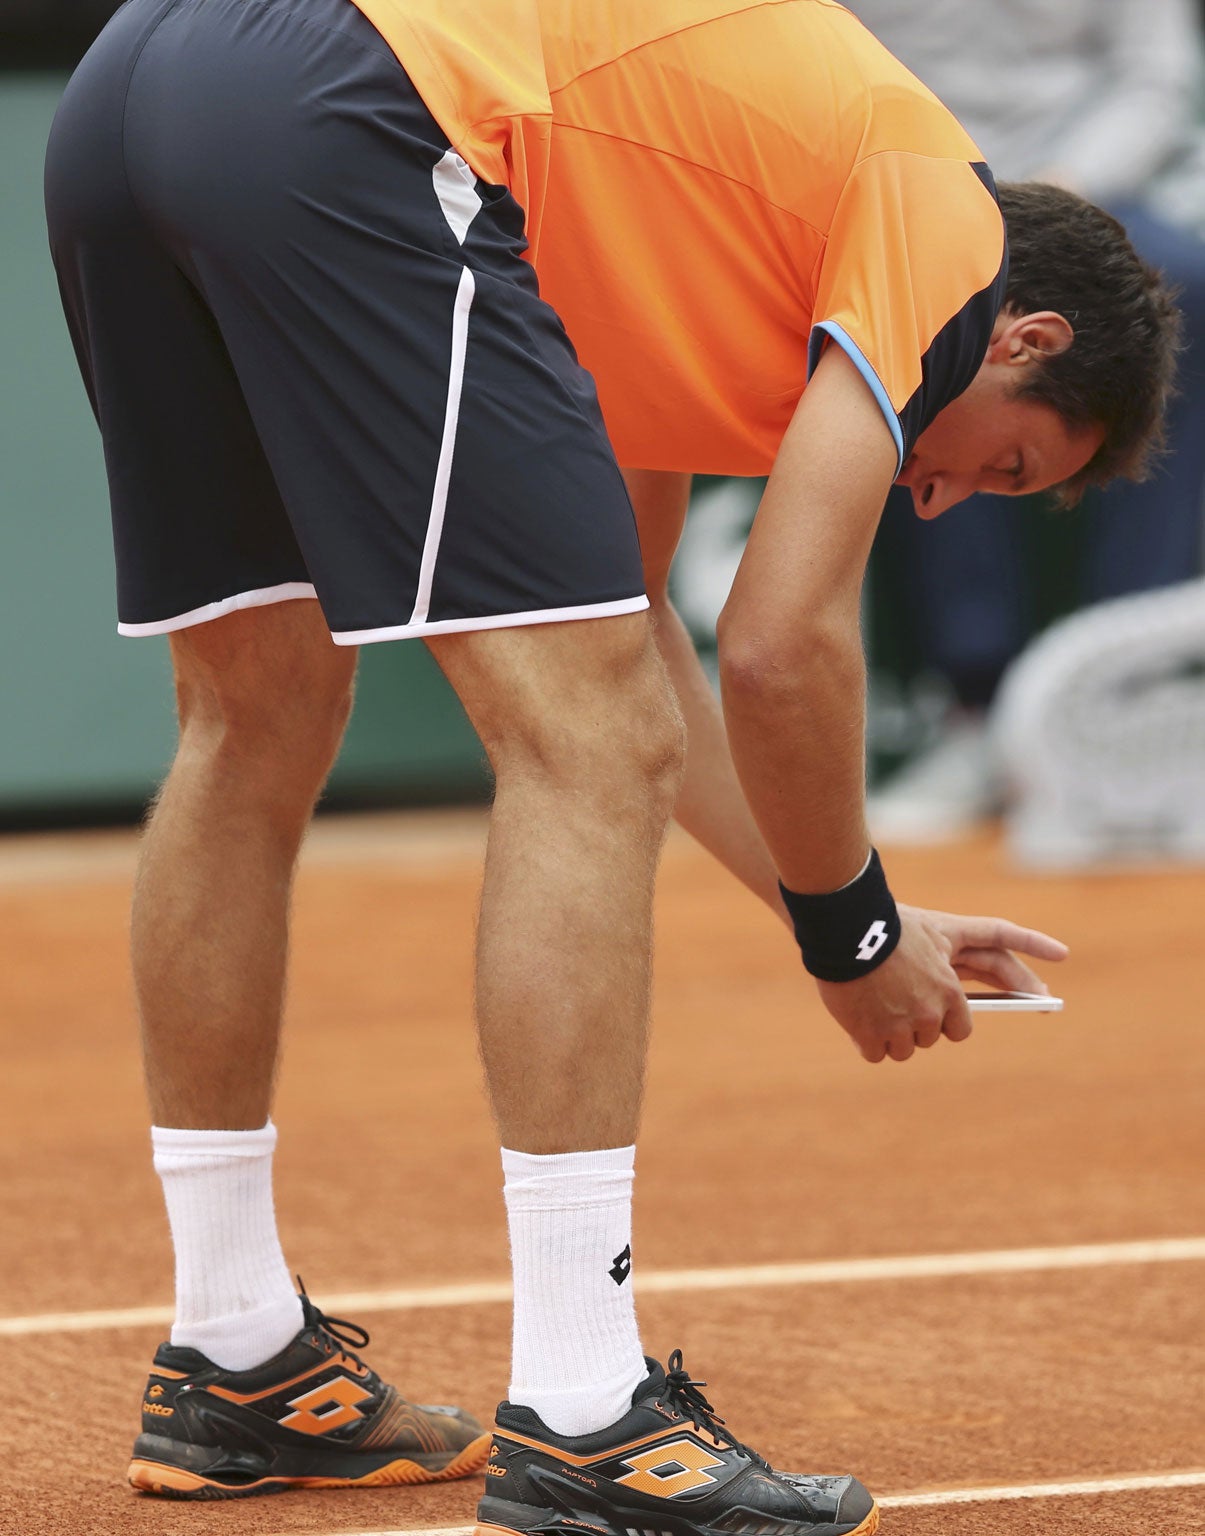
{"points": [[687, 1396], [350, 1335]]}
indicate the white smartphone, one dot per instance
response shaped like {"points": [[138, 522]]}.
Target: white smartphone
{"points": [[1013, 1002]]}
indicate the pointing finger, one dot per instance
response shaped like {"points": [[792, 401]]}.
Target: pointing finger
{"points": [[997, 933]]}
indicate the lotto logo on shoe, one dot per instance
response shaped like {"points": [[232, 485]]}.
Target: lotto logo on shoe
{"points": [[338, 1398], [872, 940], [668, 1470]]}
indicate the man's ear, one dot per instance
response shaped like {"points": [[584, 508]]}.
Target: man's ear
{"points": [[1023, 339]]}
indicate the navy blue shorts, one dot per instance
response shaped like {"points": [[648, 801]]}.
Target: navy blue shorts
{"points": [[320, 364]]}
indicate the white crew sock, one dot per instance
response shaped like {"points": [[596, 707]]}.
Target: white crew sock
{"points": [[235, 1301], [577, 1355]]}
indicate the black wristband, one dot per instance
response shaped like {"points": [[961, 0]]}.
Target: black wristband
{"points": [[847, 933]]}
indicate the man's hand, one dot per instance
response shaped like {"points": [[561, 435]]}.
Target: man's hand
{"points": [[914, 997]]}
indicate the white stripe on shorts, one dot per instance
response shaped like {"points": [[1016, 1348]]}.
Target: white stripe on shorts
{"points": [[456, 188], [443, 470]]}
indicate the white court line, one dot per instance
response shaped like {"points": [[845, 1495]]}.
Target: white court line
{"points": [[750, 1277], [1042, 1490], [1146, 1484]]}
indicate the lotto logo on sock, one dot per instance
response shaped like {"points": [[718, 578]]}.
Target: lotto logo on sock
{"points": [[621, 1266]]}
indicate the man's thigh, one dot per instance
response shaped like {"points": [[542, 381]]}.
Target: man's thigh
{"points": [[561, 683]]}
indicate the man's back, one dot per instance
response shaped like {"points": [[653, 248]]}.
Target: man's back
{"points": [[685, 170]]}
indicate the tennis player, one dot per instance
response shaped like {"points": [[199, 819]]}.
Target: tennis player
{"points": [[372, 304]]}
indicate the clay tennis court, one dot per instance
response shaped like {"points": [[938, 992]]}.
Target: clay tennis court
{"points": [[965, 1278]]}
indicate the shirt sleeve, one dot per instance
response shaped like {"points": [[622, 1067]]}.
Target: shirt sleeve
{"points": [[911, 281]]}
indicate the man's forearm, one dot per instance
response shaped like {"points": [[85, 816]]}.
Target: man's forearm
{"points": [[711, 805], [796, 731], [792, 673]]}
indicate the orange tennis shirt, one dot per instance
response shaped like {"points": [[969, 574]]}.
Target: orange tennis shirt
{"points": [[714, 192]]}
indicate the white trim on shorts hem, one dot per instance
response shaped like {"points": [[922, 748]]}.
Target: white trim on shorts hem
{"points": [[491, 621], [261, 597]]}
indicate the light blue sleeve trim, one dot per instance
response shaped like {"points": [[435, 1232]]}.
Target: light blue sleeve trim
{"points": [[847, 344]]}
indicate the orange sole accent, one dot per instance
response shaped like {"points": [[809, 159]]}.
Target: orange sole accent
{"points": [[870, 1525], [175, 1482]]}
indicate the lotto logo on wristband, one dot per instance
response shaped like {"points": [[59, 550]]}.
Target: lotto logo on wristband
{"points": [[873, 940], [827, 925]]}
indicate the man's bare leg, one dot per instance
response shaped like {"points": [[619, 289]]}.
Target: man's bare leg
{"points": [[263, 697], [585, 740], [586, 743], [582, 730]]}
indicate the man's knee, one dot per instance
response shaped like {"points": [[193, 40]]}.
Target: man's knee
{"points": [[265, 687], [585, 705], [655, 734], [623, 752]]}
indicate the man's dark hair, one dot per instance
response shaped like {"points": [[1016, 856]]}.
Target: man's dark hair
{"points": [[1067, 255]]}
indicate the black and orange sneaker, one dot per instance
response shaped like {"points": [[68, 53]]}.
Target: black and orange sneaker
{"points": [[669, 1467], [314, 1416]]}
